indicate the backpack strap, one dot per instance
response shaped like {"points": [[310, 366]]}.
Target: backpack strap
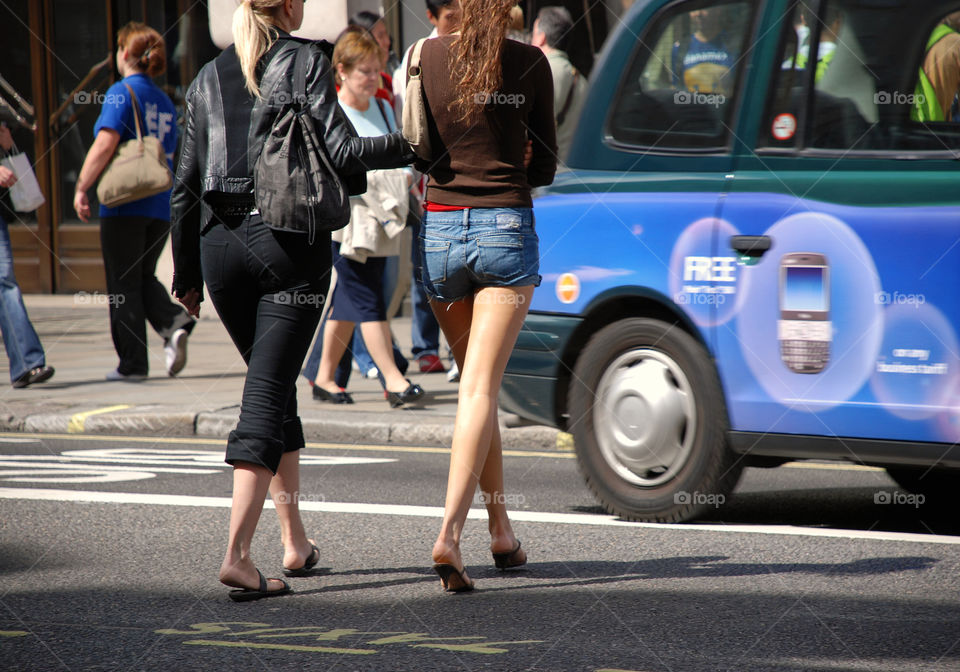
{"points": [[300, 75]]}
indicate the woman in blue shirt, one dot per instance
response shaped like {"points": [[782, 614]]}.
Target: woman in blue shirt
{"points": [[132, 236]]}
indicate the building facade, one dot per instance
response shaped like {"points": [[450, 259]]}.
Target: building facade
{"points": [[57, 56]]}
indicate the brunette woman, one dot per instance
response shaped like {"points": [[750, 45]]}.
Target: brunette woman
{"points": [[267, 285], [488, 96]]}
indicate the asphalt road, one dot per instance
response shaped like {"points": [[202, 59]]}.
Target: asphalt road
{"points": [[109, 549]]}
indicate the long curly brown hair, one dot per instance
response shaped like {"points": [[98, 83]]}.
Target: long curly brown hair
{"points": [[477, 54]]}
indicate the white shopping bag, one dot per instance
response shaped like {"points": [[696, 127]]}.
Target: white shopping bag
{"points": [[25, 195]]}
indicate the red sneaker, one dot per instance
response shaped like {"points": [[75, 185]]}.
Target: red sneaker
{"points": [[431, 364]]}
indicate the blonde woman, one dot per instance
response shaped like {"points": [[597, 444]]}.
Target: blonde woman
{"points": [[488, 97], [358, 294], [267, 285]]}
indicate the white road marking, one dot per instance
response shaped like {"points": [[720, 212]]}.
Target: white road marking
{"points": [[112, 465], [437, 512]]}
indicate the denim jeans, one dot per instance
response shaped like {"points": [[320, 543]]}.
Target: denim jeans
{"points": [[19, 337], [482, 247], [269, 288]]}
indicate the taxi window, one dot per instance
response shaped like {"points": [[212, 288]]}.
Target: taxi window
{"points": [[685, 72], [867, 77]]}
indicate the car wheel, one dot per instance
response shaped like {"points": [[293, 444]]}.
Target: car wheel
{"points": [[649, 423], [934, 484]]}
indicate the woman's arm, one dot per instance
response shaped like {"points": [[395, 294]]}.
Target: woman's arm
{"points": [[185, 214], [543, 128], [351, 155], [103, 149]]}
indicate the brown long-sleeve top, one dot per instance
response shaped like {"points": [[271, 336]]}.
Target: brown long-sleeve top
{"points": [[480, 164]]}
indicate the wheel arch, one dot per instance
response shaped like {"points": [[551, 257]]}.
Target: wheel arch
{"points": [[606, 308]]}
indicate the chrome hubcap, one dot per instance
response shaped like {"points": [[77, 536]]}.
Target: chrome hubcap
{"points": [[645, 417]]}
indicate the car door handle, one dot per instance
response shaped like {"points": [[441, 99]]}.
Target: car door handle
{"points": [[751, 246]]}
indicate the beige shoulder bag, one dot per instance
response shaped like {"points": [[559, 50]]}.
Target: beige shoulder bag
{"points": [[138, 169], [415, 107]]}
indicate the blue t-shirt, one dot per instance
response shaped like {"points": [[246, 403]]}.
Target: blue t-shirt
{"points": [[159, 118], [370, 123], [703, 67]]}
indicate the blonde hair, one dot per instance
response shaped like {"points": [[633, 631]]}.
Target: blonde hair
{"points": [[354, 46], [254, 33], [145, 48]]}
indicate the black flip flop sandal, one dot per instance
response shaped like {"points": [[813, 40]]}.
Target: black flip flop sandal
{"points": [[307, 569], [249, 594], [447, 572], [507, 560]]}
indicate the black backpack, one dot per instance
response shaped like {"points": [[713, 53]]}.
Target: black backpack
{"points": [[296, 185]]}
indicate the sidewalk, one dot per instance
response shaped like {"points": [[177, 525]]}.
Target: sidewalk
{"points": [[204, 400]]}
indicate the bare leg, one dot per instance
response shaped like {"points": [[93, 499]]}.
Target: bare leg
{"points": [[498, 314], [336, 337], [250, 484], [285, 491], [455, 320], [379, 342]]}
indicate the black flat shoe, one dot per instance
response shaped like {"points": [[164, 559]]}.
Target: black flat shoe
{"points": [[320, 394], [398, 399], [308, 565], [35, 375], [452, 579], [249, 594], [510, 558]]}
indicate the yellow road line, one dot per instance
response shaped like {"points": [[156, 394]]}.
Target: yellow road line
{"points": [[13, 633], [280, 647], [78, 420]]}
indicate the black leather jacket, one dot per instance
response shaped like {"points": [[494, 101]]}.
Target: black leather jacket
{"points": [[223, 138]]}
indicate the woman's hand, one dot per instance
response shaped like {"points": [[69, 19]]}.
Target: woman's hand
{"points": [[191, 301], [6, 139], [82, 205], [7, 177], [528, 154]]}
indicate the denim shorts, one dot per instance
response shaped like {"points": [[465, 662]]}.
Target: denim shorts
{"points": [[465, 250]]}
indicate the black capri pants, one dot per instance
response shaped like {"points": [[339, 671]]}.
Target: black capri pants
{"points": [[268, 288]]}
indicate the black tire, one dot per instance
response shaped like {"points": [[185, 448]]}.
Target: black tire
{"points": [[695, 479], [937, 485]]}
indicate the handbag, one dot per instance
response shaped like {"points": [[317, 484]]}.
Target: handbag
{"points": [[25, 195], [295, 182], [415, 128], [137, 170]]}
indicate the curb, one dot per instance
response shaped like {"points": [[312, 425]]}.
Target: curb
{"points": [[156, 421]]}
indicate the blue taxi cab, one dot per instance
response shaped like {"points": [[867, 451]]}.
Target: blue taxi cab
{"points": [[754, 256]]}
